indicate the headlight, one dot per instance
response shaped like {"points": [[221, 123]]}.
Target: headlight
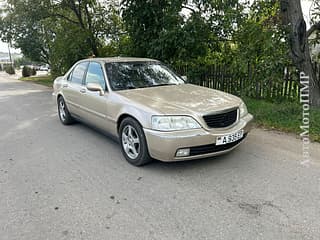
{"points": [[173, 123], [243, 109]]}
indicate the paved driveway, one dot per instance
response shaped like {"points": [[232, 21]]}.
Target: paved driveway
{"points": [[59, 182]]}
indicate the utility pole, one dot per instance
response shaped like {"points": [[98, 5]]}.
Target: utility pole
{"points": [[10, 57]]}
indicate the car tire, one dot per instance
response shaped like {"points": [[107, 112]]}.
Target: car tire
{"points": [[133, 142], [63, 112]]}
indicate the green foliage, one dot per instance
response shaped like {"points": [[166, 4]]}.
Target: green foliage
{"points": [[261, 40], [198, 34], [245, 49], [21, 23], [33, 72], [26, 71], [9, 69], [65, 50], [261, 44], [60, 32], [223, 17], [147, 22], [158, 30]]}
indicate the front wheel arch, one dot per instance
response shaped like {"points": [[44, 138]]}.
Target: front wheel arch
{"points": [[123, 117], [59, 96], [144, 156]]}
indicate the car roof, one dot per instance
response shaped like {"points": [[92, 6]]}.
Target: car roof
{"points": [[120, 59]]}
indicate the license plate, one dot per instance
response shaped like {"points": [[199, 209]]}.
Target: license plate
{"points": [[221, 140]]}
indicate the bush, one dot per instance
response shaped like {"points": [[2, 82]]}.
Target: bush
{"points": [[33, 72], [26, 71], [10, 70]]}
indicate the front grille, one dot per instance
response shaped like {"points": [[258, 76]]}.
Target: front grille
{"points": [[221, 120], [212, 148]]}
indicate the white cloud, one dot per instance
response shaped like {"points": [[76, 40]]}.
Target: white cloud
{"points": [[306, 5]]}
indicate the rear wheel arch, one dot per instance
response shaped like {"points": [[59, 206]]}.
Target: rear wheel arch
{"points": [[59, 95], [63, 112]]}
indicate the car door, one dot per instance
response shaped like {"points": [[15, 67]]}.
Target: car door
{"points": [[95, 105], [73, 87]]}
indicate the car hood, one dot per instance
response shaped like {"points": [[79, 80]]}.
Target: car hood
{"points": [[181, 99]]}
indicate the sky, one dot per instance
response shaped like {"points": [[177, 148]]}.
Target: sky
{"points": [[305, 8]]}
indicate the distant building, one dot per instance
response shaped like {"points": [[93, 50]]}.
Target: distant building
{"points": [[4, 62], [5, 59]]}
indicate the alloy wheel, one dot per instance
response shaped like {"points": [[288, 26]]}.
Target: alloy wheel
{"points": [[62, 110], [131, 142]]}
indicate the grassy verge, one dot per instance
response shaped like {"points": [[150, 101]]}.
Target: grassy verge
{"points": [[46, 80], [283, 116]]}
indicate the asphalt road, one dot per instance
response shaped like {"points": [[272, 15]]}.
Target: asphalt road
{"points": [[71, 182]]}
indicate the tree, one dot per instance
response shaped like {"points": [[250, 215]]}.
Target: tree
{"points": [[315, 20], [147, 22], [59, 32], [158, 30], [223, 17], [21, 23], [292, 18], [255, 42]]}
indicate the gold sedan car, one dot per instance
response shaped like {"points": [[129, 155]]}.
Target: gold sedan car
{"points": [[151, 110]]}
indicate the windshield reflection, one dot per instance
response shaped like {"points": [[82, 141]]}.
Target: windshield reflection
{"points": [[131, 75]]}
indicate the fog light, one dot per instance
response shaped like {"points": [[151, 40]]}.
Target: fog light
{"points": [[183, 152]]}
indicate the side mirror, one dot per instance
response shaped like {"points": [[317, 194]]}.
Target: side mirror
{"points": [[95, 87], [185, 78]]}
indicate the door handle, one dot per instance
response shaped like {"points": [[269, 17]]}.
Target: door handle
{"points": [[83, 90], [65, 85]]}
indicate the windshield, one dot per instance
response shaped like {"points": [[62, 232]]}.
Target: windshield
{"points": [[131, 75]]}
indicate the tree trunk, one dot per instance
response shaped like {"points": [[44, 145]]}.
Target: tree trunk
{"points": [[292, 17]]}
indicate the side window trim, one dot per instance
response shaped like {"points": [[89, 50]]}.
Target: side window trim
{"points": [[104, 69], [70, 75], [85, 73]]}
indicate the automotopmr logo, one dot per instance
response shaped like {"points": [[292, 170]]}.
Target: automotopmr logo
{"points": [[305, 123]]}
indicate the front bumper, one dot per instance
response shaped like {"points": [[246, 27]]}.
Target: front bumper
{"points": [[164, 145]]}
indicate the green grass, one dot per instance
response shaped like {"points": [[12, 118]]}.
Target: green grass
{"points": [[46, 80], [284, 116]]}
